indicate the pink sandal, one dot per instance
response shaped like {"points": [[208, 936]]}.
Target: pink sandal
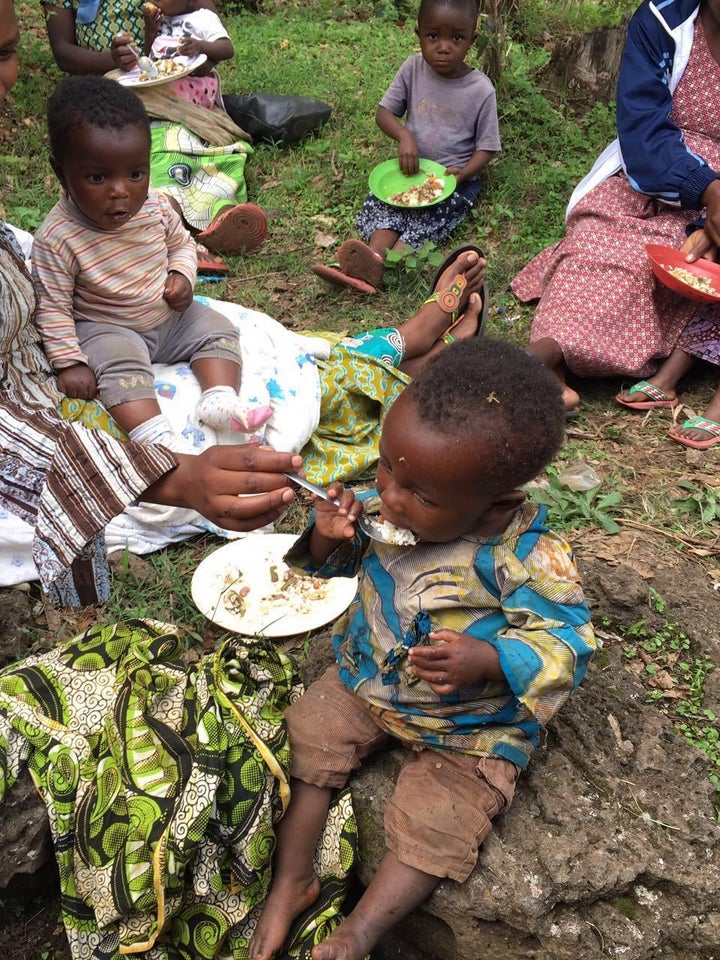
{"points": [[339, 279]]}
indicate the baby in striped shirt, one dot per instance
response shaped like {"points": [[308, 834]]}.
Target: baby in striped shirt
{"points": [[116, 270]]}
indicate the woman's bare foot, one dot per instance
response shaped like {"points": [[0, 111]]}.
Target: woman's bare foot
{"points": [[284, 903], [472, 268], [423, 335], [467, 324], [700, 432]]}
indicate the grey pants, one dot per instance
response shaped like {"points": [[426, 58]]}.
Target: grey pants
{"points": [[120, 357]]}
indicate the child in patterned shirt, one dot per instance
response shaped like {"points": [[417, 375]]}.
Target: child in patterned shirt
{"points": [[460, 647]]}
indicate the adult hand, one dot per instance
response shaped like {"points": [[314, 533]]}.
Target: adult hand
{"points": [[699, 245], [408, 153], [77, 381], [454, 661], [239, 487], [711, 201], [178, 291], [122, 53]]}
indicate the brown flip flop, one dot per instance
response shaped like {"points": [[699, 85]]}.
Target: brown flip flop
{"points": [[339, 279], [240, 229], [357, 259], [210, 264]]}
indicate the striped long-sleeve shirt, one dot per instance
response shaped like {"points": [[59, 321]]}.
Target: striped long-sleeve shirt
{"points": [[106, 276]]}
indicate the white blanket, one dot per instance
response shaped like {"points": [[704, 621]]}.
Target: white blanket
{"points": [[273, 358]]}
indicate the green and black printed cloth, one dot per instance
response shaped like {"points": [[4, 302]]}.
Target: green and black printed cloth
{"points": [[162, 784]]}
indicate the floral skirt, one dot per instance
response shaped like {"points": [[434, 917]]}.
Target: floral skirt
{"points": [[430, 224], [599, 299]]}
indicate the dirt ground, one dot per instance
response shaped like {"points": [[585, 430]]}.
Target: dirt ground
{"points": [[683, 568]]}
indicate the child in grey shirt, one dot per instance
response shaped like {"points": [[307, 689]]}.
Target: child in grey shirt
{"points": [[450, 117]]}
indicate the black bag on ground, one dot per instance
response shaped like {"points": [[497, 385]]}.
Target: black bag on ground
{"points": [[274, 117]]}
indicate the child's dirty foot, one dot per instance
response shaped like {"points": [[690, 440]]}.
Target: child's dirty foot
{"points": [[284, 902], [359, 260], [342, 945]]}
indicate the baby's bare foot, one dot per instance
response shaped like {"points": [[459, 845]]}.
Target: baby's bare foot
{"points": [[285, 902]]}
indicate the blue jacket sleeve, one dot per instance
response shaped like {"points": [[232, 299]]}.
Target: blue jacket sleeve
{"points": [[657, 161]]}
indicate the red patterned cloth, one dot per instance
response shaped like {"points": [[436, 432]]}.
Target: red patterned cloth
{"points": [[599, 298], [701, 338]]}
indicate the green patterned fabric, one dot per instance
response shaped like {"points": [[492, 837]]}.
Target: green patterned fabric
{"points": [[162, 784], [358, 383], [200, 178], [91, 414]]}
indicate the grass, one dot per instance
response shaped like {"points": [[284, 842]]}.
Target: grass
{"points": [[346, 54], [675, 678]]}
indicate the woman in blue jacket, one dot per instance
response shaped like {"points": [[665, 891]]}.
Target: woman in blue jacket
{"points": [[601, 311]]}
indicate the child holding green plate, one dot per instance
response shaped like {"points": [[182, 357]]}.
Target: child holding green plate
{"points": [[450, 116]]}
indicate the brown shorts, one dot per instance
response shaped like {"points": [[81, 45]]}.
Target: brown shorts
{"points": [[443, 802]]}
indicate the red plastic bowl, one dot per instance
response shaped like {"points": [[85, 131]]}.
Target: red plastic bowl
{"points": [[664, 257]]}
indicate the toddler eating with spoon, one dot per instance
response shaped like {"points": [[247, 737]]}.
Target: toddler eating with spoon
{"points": [[459, 648]]}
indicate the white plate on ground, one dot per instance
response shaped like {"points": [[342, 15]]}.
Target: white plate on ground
{"points": [[267, 607], [132, 77]]}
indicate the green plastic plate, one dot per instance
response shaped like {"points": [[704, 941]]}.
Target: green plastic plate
{"points": [[387, 179]]}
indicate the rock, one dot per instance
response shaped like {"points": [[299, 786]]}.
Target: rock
{"points": [[25, 842], [611, 847]]}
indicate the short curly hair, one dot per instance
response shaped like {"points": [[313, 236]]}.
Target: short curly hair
{"points": [[498, 395], [91, 102], [472, 7]]}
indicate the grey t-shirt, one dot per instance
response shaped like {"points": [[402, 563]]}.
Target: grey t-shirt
{"points": [[450, 119]]}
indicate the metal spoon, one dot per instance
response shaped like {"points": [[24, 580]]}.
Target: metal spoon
{"points": [[145, 64], [365, 523]]}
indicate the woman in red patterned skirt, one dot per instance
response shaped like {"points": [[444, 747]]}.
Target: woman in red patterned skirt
{"points": [[601, 311]]}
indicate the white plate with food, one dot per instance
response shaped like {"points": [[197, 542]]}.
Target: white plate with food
{"points": [[174, 68], [247, 587]]}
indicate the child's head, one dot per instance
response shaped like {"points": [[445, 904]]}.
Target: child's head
{"points": [[100, 148], [482, 418], [446, 30]]}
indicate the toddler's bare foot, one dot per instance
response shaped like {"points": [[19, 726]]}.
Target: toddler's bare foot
{"points": [[285, 901], [343, 944]]}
